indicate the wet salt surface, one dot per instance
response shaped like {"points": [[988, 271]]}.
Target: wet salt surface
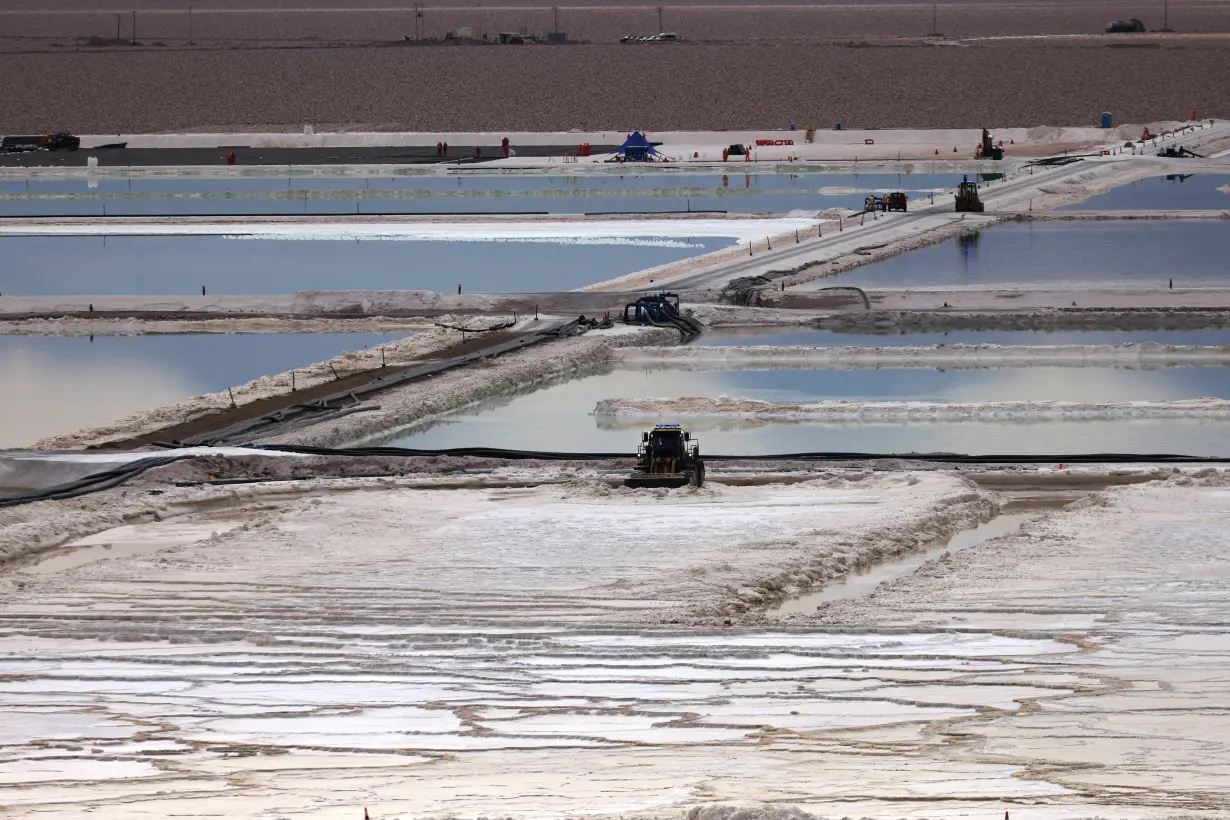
{"points": [[278, 674], [463, 192], [269, 651], [754, 337], [560, 416], [536, 690], [56, 384], [1173, 192], [864, 580], [37, 265], [1063, 254]]}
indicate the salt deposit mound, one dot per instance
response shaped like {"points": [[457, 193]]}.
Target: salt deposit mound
{"points": [[894, 411]]}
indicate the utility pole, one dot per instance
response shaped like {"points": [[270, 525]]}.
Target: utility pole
{"points": [[134, 27], [119, 19], [659, 19], [418, 22], [1166, 16], [190, 25], [935, 17], [555, 11]]}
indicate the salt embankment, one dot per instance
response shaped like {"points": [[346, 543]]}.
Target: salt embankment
{"points": [[107, 326], [398, 352], [896, 411], [397, 406], [403, 405], [960, 355]]}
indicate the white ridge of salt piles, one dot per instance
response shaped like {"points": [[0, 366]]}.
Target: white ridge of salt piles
{"points": [[887, 411], [958, 355]]}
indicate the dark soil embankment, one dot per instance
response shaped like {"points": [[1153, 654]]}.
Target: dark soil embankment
{"points": [[607, 86]]}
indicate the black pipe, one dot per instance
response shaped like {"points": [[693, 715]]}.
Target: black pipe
{"points": [[820, 456], [92, 483], [118, 475]]}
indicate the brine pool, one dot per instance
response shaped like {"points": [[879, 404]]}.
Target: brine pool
{"points": [[1172, 192], [559, 417], [56, 384], [807, 337], [61, 265], [460, 192], [1059, 255]]}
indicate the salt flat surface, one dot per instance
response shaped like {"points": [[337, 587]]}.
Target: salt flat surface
{"points": [[418, 651], [1152, 562]]}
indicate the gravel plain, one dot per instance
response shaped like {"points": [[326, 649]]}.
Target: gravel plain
{"points": [[744, 66]]}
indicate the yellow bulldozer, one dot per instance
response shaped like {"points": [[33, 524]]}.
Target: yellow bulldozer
{"points": [[667, 457]]}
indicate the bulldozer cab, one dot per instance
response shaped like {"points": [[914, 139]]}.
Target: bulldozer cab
{"points": [[667, 441], [668, 456]]}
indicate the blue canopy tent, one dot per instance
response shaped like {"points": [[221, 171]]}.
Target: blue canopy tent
{"points": [[637, 149]]}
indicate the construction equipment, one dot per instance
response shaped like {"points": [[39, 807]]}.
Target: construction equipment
{"points": [[40, 142], [967, 197], [662, 310], [988, 149], [1180, 151], [668, 456], [896, 201], [62, 141]]}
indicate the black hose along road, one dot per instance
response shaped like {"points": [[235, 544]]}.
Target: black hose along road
{"points": [[116, 476]]}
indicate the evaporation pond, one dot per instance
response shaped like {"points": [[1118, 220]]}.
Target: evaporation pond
{"points": [[461, 192], [181, 265], [1060, 255], [58, 384], [560, 417], [1173, 192], [803, 337]]}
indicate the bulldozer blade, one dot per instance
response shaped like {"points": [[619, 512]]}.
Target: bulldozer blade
{"points": [[649, 481]]}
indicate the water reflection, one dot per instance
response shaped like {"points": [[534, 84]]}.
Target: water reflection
{"points": [[56, 385], [967, 244], [1060, 254], [560, 416]]}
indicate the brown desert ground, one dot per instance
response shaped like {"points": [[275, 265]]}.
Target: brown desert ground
{"points": [[260, 65]]}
